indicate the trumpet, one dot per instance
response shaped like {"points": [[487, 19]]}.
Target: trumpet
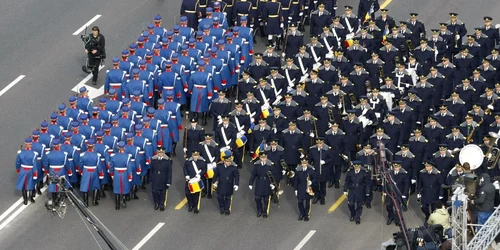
{"points": [[342, 100], [309, 189]]}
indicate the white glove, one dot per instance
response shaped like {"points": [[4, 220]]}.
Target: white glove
{"points": [[209, 97], [367, 195], [339, 105], [186, 90], [392, 95], [251, 25], [302, 156], [197, 176], [322, 162], [334, 7], [235, 188], [440, 197], [419, 196], [419, 122], [242, 61], [496, 184], [272, 187], [404, 197], [215, 185], [185, 150], [198, 172], [275, 130], [301, 13], [251, 187], [283, 172], [240, 134], [370, 123], [282, 25], [309, 183], [188, 177], [295, 192], [283, 54], [491, 107], [413, 181], [457, 37], [279, 97], [289, 89], [235, 101], [252, 120], [219, 117], [345, 193], [199, 20], [219, 121], [311, 135], [377, 115], [315, 2]]}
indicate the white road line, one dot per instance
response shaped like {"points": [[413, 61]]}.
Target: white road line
{"points": [[87, 78], [304, 241], [148, 236], [18, 211], [86, 25], [6, 213], [18, 79]]}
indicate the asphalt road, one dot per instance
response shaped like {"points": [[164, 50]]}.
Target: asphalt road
{"points": [[37, 42]]}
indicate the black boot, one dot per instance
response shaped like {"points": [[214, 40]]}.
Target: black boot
{"points": [[143, 182], [25, 197], [134, 192], [39, 186], [117, 201], [127, 197], [204, 122], [124, 203], [103, 194], [86, 198], [96, 195], [173, 148], [261, 30], [278, 42], [54, 199], [31, 196]]}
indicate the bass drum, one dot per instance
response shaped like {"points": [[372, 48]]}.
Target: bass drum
{"points": [[472, 154]]}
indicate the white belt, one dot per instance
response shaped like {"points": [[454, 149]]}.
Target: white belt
{"points": [[26, 166], [120, 168], [173, 117], [164, 125], [168, 87], [141, 152], [56, 166], [199, 86], [115, 84], [90, 167]]}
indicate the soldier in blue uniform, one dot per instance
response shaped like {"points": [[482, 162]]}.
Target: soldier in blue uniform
{"points": [[160, 176], [194, 168], [399, 193], [56, 164], [53, 128], [45, 137], [73, 111], [27, 162], [356, 188], [200, 86], [226, 179], [190, 8], [91, 172], [135, 166], [95, 121], [429, 188], [158, 29], [302, 183], [193, 136], [105, 151], [320, 158], [73, 158], [125, 64], [83, 102], [262, 169], [121, 173], [115, 78], [308, 124]]}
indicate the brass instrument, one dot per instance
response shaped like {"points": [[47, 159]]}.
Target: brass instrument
{"points": [[381, 71], [353, 99], [313, 120], [302, 152], [276, 191], [331, 118], [493, 154], [342, 100], [214, 186], [410, 45], [368, 85], [487, 111], [456, 40], [289, 173], [471, 134], [309, 189]]}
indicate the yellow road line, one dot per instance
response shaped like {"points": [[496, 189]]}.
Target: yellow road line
{"points": [[383, 5], [181, 204], [336, 204]]}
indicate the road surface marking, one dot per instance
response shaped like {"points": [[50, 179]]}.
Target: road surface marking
{"points": [[93, 92], [384, 4], [86, 25], [181, 204], [304, 241], [18, 79], [148, 236], [336, 204], [18, 211], [14, 206]]}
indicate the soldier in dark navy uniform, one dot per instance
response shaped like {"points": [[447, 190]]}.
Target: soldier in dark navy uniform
{"points": [[160, 175], [290, 108], [319, 157], [263, 186], [408, 162], [457, 28], [302, 183], [319, 19], [392, 126], [291, 139], [293, 41], [210, 151], [356, 188], [434, 133], [353, 129], [307, 123], [429, 188], [335, 136], [193, 135], [261, 132], [189, 8], [401, 180], [226, 181]]}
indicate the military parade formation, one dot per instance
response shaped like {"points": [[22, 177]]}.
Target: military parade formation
{"points": [[303, 113]]}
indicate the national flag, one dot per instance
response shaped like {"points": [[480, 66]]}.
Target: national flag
{"points": [[386, 32], [241, 140], [259, 149], [252, 125]]}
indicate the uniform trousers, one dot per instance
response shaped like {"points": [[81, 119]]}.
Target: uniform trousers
{"points": [[159, 197], [225, 202], [320, 189], [356, 208], [194, 200], [426, 211], [305, 206], [263, 202]]}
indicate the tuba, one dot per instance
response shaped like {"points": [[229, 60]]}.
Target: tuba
{"points": [[353, 99], [493, 153]]}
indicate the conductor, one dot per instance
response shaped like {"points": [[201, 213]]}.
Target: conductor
{"points": [[160, 176]]}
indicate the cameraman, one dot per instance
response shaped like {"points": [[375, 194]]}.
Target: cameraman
{"points": [[95, 51], [485, 200]]}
